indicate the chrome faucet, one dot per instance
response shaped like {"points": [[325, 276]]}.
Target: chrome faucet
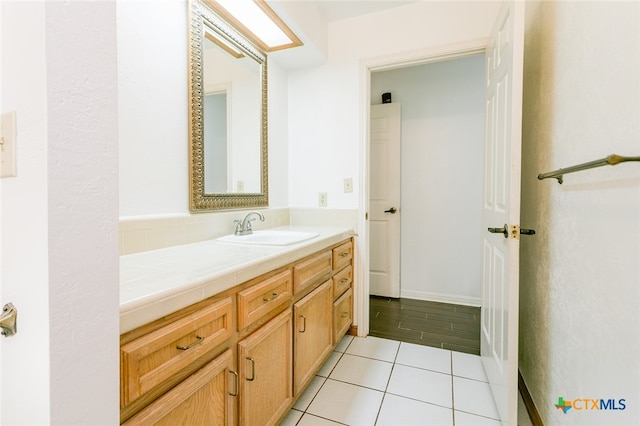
{"points": [[243, 227]]}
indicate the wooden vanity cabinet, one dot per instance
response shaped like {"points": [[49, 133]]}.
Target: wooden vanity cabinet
{"points": [[312, 334], [203, 399], [265, 296], [342, 255], [342, 281], [311, 271], [265, 367], [342, 315], [154, 362], [243, 356], [342, 293]]}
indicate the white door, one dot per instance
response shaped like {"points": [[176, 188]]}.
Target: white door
{"points": [[384, 200], [499, 331]]}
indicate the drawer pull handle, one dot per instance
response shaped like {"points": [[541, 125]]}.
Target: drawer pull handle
{"points": [[235, 379], [253, 370], [269, 299], [304, 324], [345, 314], [344, 280], [345, 254], [199, 340]]}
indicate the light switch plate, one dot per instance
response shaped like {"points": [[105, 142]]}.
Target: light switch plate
{"points": [[8, 144]]}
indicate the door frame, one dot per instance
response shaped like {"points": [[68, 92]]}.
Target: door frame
{"points": [[367, 66]]}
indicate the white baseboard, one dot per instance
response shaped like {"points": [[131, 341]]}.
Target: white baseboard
{"points": [[443, 298]]}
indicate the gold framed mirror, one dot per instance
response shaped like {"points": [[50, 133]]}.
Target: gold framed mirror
{"points": [[227, 115]]}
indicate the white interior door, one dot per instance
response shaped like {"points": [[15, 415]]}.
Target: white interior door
{"points": [[384, 200], [499, 333]]}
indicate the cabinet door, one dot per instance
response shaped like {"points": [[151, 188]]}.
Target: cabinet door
{"points": [[312, 334], [204, 398], [265, 365]]}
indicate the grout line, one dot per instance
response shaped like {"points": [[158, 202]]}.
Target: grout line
{"points": [[386, 388], [453, 399]]}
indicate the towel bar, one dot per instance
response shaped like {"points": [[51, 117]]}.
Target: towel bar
{"points": [[611, 160]]}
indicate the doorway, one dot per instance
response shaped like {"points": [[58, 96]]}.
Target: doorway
{"points": [[441, 193]]}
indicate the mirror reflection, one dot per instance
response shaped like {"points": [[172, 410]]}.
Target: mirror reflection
{"points": [[228, 132], [231, 118]]}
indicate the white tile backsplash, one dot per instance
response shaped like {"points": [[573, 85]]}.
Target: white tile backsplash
{"points": [[144, 233]]}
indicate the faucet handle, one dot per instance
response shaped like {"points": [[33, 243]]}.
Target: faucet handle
{"points": [[238, 226]]}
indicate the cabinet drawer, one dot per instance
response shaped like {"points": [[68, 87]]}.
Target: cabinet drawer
{"points": [[262, 298], [154, 358], [310, 271], [204, 398], [342, 315], [342, 281], [342, 255]]}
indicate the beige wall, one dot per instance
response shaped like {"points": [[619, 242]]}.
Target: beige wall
{"points": [[580, 274]]}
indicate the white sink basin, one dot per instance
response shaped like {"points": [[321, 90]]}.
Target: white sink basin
{"points": [[269, 237]]}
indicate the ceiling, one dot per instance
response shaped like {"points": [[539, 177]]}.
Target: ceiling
{"points": [[299, 14], [335, 10]]}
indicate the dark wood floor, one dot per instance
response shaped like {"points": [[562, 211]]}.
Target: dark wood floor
{"points": [[441, 325]]}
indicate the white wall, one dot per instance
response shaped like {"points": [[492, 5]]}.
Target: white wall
{"points": [[59, 215], [579, 275], [153, 102], [325, 116], [441, 174]]}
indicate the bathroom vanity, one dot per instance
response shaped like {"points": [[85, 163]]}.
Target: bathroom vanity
{"points": [[245, 351]]}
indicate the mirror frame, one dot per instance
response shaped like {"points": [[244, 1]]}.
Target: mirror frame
{"points": [[200, 201]]}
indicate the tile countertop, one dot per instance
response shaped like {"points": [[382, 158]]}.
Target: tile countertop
{"points": [[158, 282]]}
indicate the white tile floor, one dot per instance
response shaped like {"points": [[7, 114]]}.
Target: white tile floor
{"points": [[373, 381]]}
